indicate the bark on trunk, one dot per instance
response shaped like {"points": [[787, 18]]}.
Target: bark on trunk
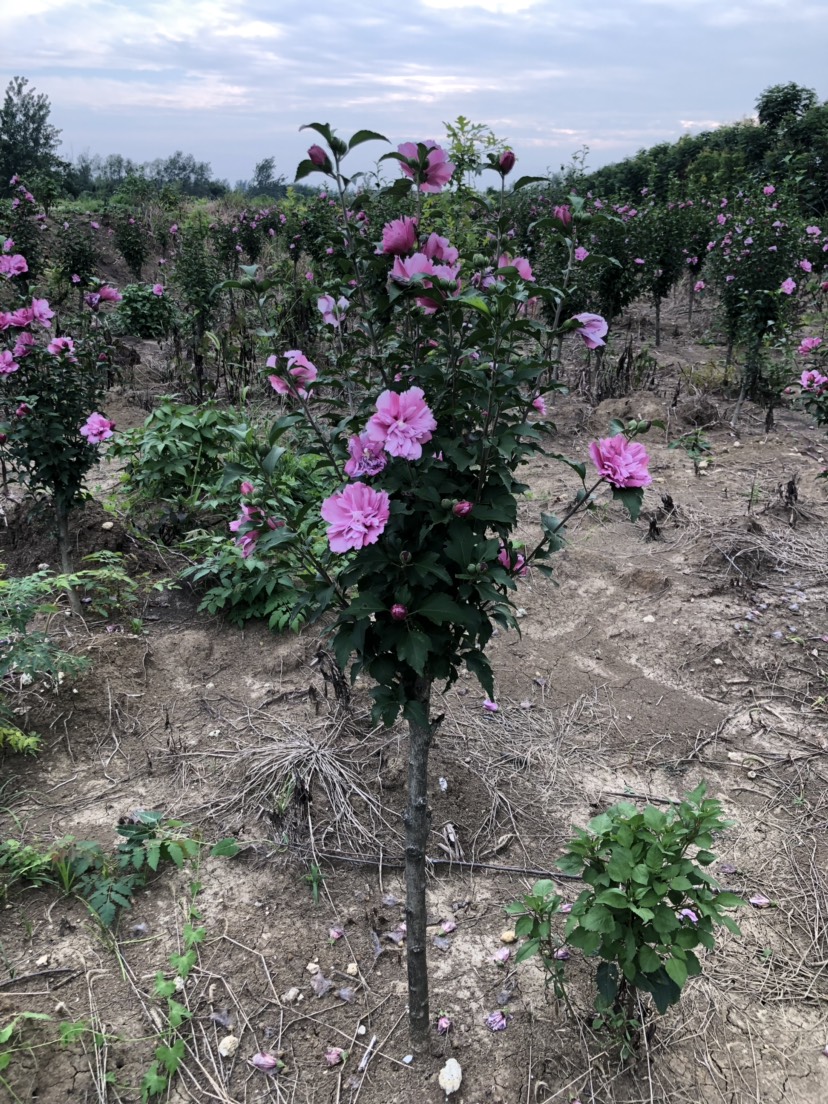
{"points": [[657, 322], [65, 559], [417, 819]]}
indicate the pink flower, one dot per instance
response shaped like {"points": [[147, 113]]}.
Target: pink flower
{"points": [[399, 612], [416, 264], [22, 410], [174, 229], [318, 156], [620, 462], [497, 1021], [593, 329], [41, 313], [109, 294], [768, 189], [444, 1025], [97, 428], [399, 236], [75, 278], [563, 213], [813, 381], [539, 403], [806, 266], [23, 344], [60, 345], [639, 261], [14, 265], [24, 316], [309, 277], [333, 310], [7, 363], [519, 567], [158, 289], [92, 299], [523, 267], [730, 279], [808, 345], [357, 515], [462, 509], [95, 225], [502, 956], [335, 1055], [403, 423], [699, 285], [490, 706], [581, 254], [688, 914], [8, 245], [814, 231], [247, 489], [263, 1061], [440, 249], [367, 457], [299, 367], [436, 173], [788, 286], [506, 162]]}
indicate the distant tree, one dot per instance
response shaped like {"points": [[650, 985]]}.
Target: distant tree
{"points": [[784, 103], [28, 141], [265, 181]]}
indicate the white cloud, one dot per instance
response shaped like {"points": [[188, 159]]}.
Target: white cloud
{"points": [[496, 7]]}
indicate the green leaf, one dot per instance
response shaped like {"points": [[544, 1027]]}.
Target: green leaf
{"points": [[529, 948], [225, 849], [648, 960], [439, 608], [606, 978], [272, 459], [631, 498], [177, 1015], [728, 901], [598, 919], [170, 1057], [613, 897], [586, 941], [677, 971], [176, 853], [413, 648], [523, 181], [154, 1083], [365, 136]]}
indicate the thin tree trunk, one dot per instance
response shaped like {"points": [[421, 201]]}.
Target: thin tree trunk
{"points": [[690, 302], [65, 559], [657, 322], [417, 819]]}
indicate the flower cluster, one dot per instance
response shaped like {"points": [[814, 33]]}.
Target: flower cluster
{"points": [[251, 523]]}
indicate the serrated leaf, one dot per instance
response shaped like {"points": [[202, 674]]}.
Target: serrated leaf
{"points": [[676, 970], [365, 136], [225, 849]]}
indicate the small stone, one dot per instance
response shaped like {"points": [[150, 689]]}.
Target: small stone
{"points": [[290, 997], [362, 1030], [450, 1077], [718, 662], [508, 936], [107, 525], [44, 960], [312, 968], [228, 1046], [352, 969], [648, 620], [409, 1058]]}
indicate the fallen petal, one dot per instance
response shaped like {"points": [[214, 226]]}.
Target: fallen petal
{"points": [[760, 901], [265, 1062], [335, 1055], [496, 1021]]}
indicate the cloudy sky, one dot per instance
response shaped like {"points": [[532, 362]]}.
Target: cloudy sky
{"points": [[231, 81]]}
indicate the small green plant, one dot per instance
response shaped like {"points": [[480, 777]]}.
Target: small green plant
{"points": [[12, 1043], [651, 903], [106, 588], [696, 445], [28, 656], [535, 914], [315, 880]]}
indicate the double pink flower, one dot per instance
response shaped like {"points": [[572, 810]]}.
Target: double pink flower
{"points": [[97, 428], [620, 462], [299, 369], [437, 171], [356, 516], [403, 423]]}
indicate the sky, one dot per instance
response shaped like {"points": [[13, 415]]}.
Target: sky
{"points": [[231, 81]]}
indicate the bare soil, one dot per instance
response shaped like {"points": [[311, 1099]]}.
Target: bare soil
{"points": [[648, 666]]}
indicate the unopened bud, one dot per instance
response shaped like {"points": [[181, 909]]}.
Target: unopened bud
{"points": [[399, 612], [405, 558]]}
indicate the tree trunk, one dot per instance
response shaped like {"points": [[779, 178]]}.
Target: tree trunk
{"points": [[658, 322], [65, 559], [690, 302], [417, 818]]}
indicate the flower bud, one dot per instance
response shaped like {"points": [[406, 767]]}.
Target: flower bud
{"points": [[446, 503], [405, 558], [506, 162], [482, 568], [3, 438], [399, 612], [318, 156], [644, 425], [247, 488], [461, 509]]}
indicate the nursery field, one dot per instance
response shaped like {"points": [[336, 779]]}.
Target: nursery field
{"points": [[414, 683], [698, 656]]}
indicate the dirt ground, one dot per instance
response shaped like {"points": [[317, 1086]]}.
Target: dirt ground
{"points": [[647, 666]]}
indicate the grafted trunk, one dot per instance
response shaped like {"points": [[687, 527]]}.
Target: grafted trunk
{"points": [[417, 819], [66, 567]]}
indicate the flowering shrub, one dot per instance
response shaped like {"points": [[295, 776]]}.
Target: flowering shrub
{"points": [[52, 388], [145, 311], [420, 415]]}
